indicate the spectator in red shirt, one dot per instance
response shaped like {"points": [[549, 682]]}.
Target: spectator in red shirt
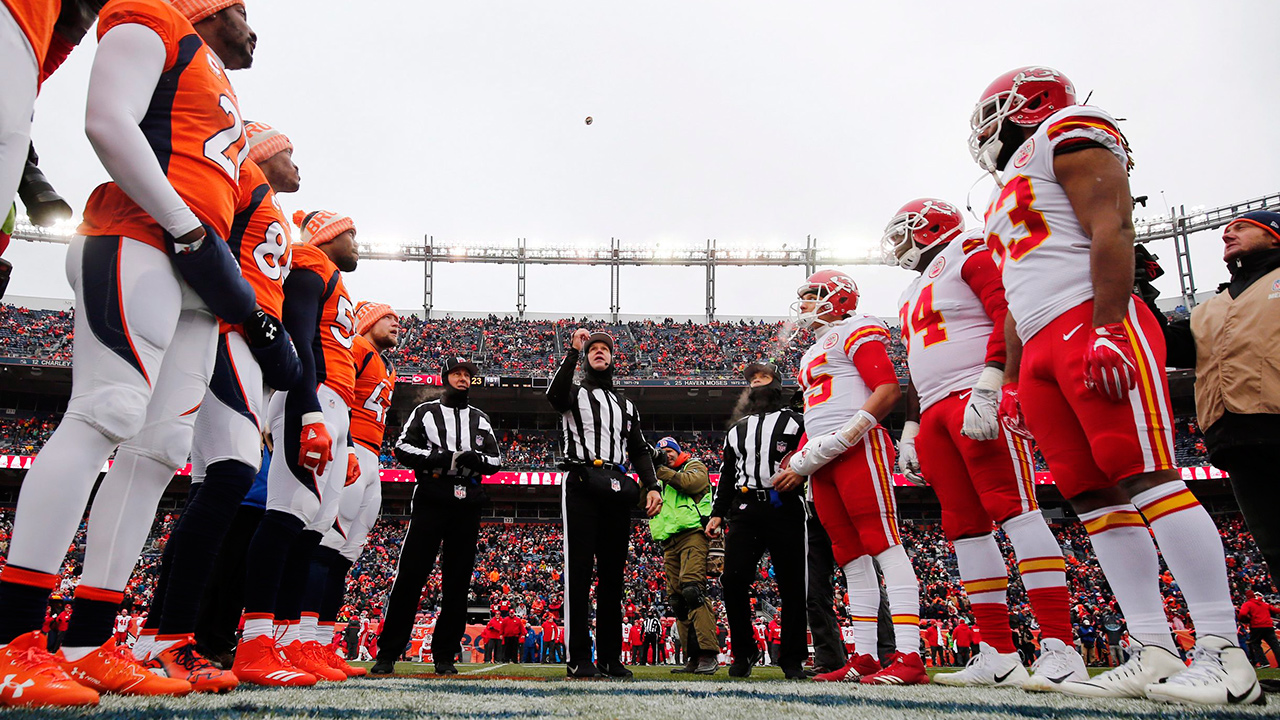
{"points": [[1257, 613], [963, 635], [512, 632], [493, 640], [550, 641], [773, 635]]}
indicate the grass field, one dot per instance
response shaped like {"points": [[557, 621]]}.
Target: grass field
{"points": [[512, 692]]}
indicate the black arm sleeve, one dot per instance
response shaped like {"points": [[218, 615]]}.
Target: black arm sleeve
{"points": [[1179, 343], [303, 290], [560, 392], [415, 451], [728, 482], [641, 460]]}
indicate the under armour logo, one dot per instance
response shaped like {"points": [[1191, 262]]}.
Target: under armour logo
{"points": [[17, 688], [269, 332]]}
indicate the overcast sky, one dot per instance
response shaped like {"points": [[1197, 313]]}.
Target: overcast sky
{"points": [[750, 122]]}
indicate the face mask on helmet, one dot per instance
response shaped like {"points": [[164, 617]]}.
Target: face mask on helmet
{"points": [[1025, 97], [833, 293]]}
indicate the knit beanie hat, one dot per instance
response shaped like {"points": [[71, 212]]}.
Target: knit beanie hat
{"points": [[321, 226], [197, 10], [265, 141], [1265, 219], [369, 313]]}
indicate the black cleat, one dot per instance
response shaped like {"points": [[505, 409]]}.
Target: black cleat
{"points": [[444, 667], [583, 670], [615, 670], [794, 673], [383, 667], [741, 666]]}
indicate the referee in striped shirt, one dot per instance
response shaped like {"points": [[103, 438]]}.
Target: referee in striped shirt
{"points": [[764, 505], [601, 434], [450, 445]]}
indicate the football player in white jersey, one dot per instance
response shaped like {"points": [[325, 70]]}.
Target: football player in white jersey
{"points": [[953, 318], [849, 386], [1092, 382]]}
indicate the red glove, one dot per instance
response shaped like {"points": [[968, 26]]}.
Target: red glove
{"points": [[1011, 411], [315, 450], [353, 468], [1109, 365]]}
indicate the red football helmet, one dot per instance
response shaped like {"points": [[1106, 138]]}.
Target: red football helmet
{"points": [[837, 294], [1025, 97], [918, 226]]}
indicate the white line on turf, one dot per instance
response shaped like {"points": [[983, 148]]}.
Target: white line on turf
{"points": [[477, 671]]}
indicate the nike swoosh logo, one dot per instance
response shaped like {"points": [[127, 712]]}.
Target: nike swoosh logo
{"points": [[1002, 678], [1073, 332], [1233, 699], [1059, 680]]}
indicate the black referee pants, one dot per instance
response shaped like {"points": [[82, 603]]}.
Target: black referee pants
{"points": [[434, 522], [828, 643], [754, 529], [596, 532]]}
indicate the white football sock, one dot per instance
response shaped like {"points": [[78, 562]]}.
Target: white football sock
{"points": [[864, 603], [1128, 559], [904, 598]]}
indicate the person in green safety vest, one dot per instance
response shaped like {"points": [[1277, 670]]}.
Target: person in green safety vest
{"points": [[686, 507]]}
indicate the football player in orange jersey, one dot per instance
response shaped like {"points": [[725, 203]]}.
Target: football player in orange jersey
{"points": [[163, 119], [1091, 378], [379, 329], [310, 425], [26, 28], [227, 450]]}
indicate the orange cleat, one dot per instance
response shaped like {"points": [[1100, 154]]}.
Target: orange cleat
{"points": [[113, 669], [261, 662], [182, 661], [304, 656], [904, 669], [337, 663], [857, 667], [32, 677]]}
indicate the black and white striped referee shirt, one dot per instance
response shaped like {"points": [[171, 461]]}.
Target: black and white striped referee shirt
{"points": [[435, 431], [754, 448], [598, 424]]}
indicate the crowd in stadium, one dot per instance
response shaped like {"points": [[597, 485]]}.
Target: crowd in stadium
{"points": [[520, 565]]}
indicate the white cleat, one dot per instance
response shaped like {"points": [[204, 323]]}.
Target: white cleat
{"points": [[1220, 674], [1058, 663], [1148, 664], [988, 668]]}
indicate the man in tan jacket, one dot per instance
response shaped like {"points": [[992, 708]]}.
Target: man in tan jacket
{"points": [[1233, 342]]}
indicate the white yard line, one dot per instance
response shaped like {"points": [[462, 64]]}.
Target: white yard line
{"points": [[477, 671]]}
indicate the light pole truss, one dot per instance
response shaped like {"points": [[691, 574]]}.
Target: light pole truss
{"points": [[1178, 226]]}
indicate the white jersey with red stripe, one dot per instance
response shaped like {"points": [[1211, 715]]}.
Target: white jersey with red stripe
{"points": [[945, 327], [1031, 227], [833, 389]]}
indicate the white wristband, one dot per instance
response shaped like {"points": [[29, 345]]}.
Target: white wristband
{"points": [[312, 418], [990, 379], [910, 429]]}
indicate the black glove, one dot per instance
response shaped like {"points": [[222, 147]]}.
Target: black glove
{"points": [[209, 268], [273, 349], [45, 207], [469, 460]]}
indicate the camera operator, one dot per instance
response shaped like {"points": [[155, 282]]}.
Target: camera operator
{"points": [[601, 432], [765, 507], [1231, 341], [686, 506], [450, 445]]}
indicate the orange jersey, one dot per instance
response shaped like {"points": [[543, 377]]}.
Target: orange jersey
{"points": [[193, 125], [36, 19], [260, 239], [374, 385], [337, 328]]}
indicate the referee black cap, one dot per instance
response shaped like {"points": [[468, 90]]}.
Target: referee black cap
{"points": [[454, 362], [760, 366], [599, 337]]}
